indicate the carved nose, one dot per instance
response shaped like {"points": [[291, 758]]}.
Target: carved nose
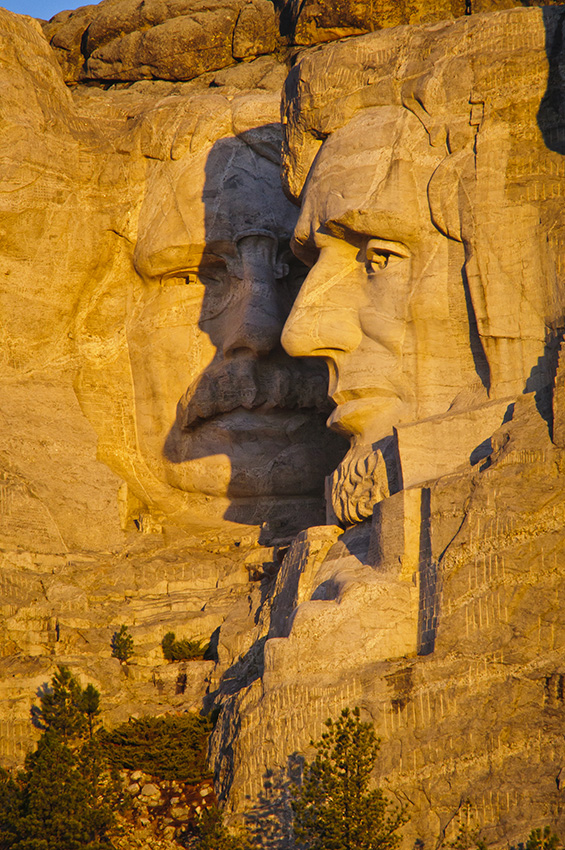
{"points": [[324, 317], [255, 325], [254, 322]]}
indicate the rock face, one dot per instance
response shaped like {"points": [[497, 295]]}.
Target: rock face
{"points": [[441, 620], [425, 614], [96, 528], [312, 22], [178, 41], [419, 156], [127, 40], [163, 455]]}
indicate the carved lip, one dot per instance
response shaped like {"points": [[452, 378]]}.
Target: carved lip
{"points": [[352, 416], [251, 384], [241, 431], [249, 419]]}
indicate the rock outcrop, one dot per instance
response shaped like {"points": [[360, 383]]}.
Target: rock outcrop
{"points": [[163, 457], [128, 40]]}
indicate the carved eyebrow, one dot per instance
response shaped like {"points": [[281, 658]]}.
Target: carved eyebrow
{"points": [[357, 225], [337, 227], [170, 259]]}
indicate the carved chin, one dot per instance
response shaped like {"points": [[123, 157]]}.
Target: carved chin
{"points": [[359, 482], [247, 454]]}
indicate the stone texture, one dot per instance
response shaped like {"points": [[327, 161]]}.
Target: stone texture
{"points": [[89, 536], [452, 714], [388, 91], [127, 40], [313, 21], [144, 230], [440, 615], [132, 40]]}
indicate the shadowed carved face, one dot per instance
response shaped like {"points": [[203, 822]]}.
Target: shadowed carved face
{"points": [[221, 409]]}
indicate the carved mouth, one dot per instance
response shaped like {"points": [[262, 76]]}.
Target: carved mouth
{"points": [[257, 421]]}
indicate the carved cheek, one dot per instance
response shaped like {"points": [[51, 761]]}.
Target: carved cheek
{"points": [[384, 316], [218, 297], [168, 348]]}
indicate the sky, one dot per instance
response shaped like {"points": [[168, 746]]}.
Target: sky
{"points": [[42, 8]]}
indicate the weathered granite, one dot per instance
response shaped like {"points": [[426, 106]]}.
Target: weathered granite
{"points": [[132, 40], [472, 709], [312, 22], [90, 536], [440, 614], [436, 287], [127, 40], [439, 610]]}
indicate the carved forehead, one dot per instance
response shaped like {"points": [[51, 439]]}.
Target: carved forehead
{"points": [[445, 74], [209, 199], [372, 175]]}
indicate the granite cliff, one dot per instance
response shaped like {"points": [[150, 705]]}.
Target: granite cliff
{"points": [[178, 323]]}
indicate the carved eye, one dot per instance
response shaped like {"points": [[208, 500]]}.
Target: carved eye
{"points": [[377, 260], [380, 254]]}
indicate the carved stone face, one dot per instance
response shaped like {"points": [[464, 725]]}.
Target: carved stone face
{"points": [[221, 409], [384, 302]]}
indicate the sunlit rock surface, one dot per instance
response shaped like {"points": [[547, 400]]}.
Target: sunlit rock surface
{"points": [[164, 381]]}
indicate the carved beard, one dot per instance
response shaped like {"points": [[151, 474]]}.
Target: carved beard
{"points": [[361, 480]]}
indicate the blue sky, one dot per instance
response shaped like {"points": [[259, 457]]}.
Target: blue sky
{"points": [[41, 8]]}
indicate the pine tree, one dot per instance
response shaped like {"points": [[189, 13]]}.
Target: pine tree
{"points": [[167, 646], [182, 650], [62, 707], [540, 839], [122, 645], [65, 798], [61, 805], [334, 808], [90, 704], [214, 835], [54, 799], [10, 806]]}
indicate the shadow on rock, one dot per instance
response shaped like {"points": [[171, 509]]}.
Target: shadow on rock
{"points": [[269, 821]]}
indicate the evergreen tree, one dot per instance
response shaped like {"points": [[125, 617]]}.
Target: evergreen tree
{"points": [[122, 645], [540, 839], [334, 808], [214, 835], [170, 747], [65, 798], [10, 805], [62, 706], [57, 800], [90, 704], [60, 802], [182, 650], [167, 646]]}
